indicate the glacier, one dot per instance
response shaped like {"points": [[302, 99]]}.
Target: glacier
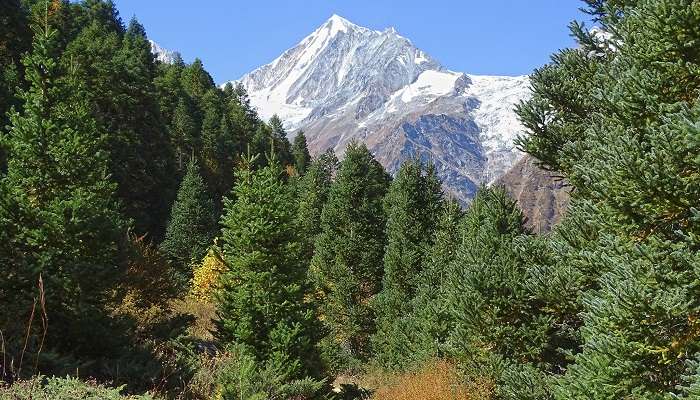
{"points": [[345, 82]]}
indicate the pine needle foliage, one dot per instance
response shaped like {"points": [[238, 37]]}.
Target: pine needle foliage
{"points": [[347, 263], [261, 302]]}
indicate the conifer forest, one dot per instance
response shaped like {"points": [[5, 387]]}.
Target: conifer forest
{"points": [[161, 240]]}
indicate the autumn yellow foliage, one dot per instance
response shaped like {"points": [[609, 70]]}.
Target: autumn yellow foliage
{"points": [[206, 275]]}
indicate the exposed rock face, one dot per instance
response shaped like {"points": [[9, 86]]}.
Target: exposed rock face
{"points": [[345, 82], [542, 196], [164, 55]]}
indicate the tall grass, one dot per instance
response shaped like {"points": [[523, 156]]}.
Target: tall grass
{"points": [[438, 380]]}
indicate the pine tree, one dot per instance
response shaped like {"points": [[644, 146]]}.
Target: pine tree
{"points": [[58, 214], [625, 135], [15, 38], [347, 263], [498, 329], [210, 134], [261, 304], [169, 90], [419, 335], [211, 128], [411, 205], [300, 153], [313, 192], [196, 80], [192, 225], [184, 132], [229, 148], [117, 67], [278, 136], [428, 324]]}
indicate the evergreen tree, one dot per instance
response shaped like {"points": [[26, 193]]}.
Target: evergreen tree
{"points": [[624, 132], [196, 81], [428, 324], [119, 74], [242, 113], [261, 304], [300, 153], [184, 132], [411, 205], [313, 191], [243, 119], [280, 143], [498, 328], [58, 214], [102, 12], [347, 263], [228, 150], [15, 38], [192, 225], [169, 90], [419, 334], [211, 130]]}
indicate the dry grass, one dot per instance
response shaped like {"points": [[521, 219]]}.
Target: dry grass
{"points": [[439, 380], [202, 311]]}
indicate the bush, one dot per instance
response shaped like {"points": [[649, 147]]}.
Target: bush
{"points": [[438, 380], [207, 274], [235, 374], [63, 389], [149, 279]]}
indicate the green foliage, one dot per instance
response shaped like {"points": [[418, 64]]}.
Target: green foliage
{"points": [[300, 153], [347, 263], [117, 69], [63, 389], [196, 81], [192, 225], [88, 173], [498, 328], [421, 332], [485, 293], [243, 377], [58, 215], [262, 301], [15, 38], [184, 132], [412, 206], [313, 190], [280, 144], [690, 388], [606, 306], [624, 132]]}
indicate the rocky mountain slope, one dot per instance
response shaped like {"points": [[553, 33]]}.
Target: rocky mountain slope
{"points": [[541, 195], [345, 82]]}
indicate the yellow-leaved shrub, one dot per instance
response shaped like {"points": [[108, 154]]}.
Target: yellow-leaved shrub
{"points": [[207, 274]]}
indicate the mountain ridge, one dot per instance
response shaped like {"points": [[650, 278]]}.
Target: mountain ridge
{"points": [[345, 82]]}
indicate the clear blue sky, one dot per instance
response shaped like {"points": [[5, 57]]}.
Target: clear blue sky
{"points": [[232, 37]]}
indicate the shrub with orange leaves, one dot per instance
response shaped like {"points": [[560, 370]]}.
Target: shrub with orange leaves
{"points": [[438, 380]]}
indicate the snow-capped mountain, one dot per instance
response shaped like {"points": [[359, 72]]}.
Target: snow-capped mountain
{"points": [[163, 55], [345, 82]]}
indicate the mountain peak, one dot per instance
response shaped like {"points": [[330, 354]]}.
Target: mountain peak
{"points": [[344, 82], [336, 24], [337, 19]]}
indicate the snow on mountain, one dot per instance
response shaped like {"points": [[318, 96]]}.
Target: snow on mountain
{"points": [[163, 55], [345, 82]]}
